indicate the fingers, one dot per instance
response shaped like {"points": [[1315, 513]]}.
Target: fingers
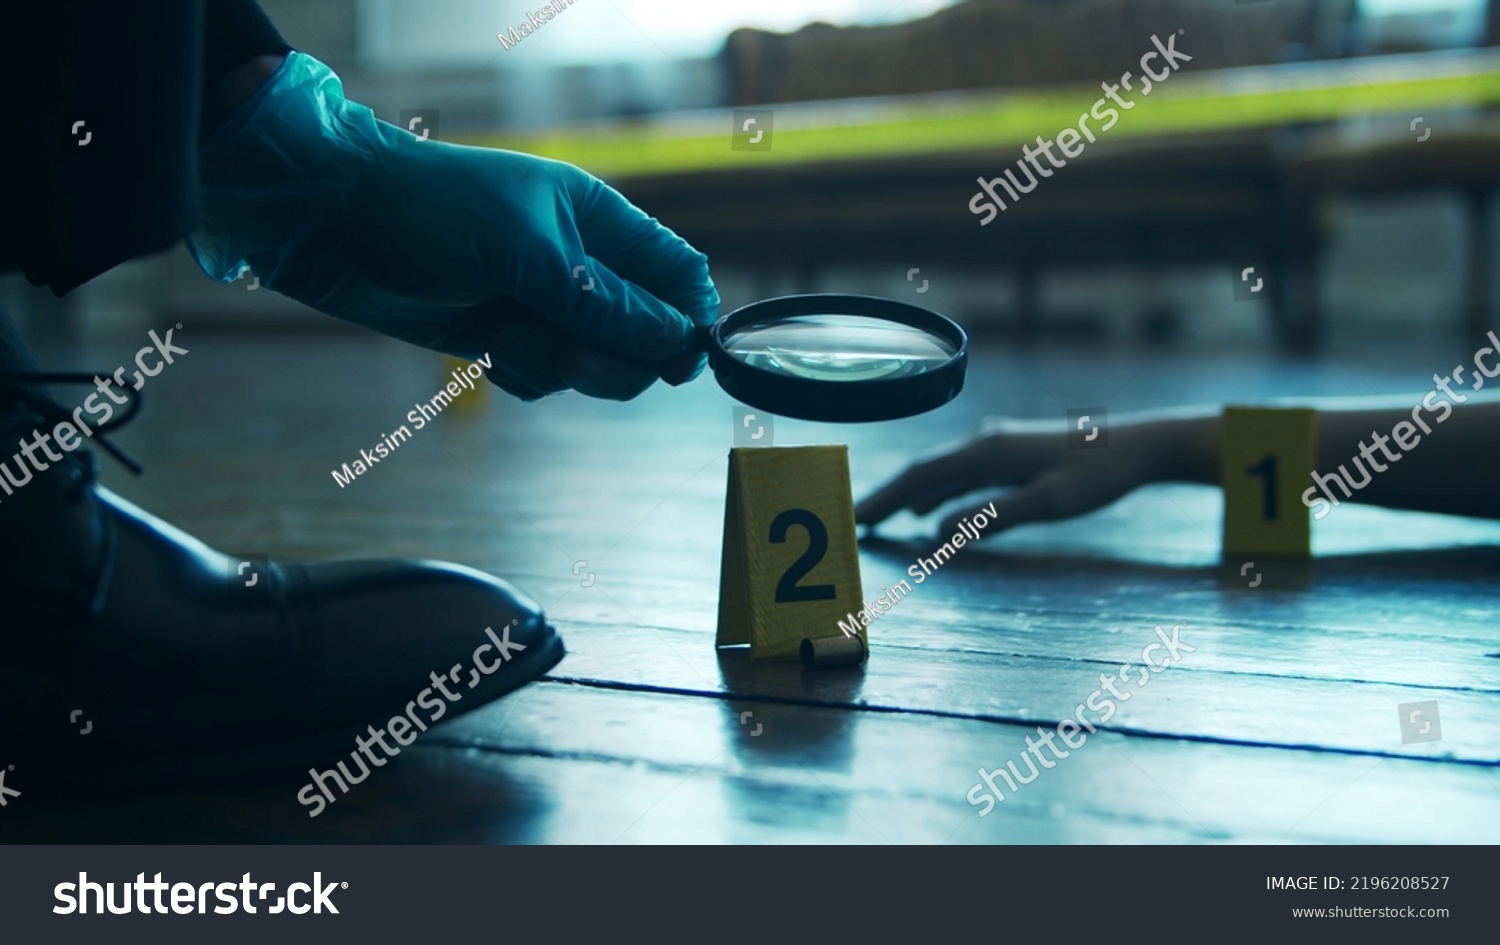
{"points": [[1044, 499], [515, 388], [926, 485], [601, 309], [532, 359], [597, 374], [525, 358], [1060, 492], [597, 267], [642, 251], [682, 368]]}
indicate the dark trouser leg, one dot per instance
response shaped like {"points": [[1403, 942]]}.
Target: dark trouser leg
{"points": [[51, 535]]}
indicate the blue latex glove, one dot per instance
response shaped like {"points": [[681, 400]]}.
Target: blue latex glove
{"points": [[464, 250]]}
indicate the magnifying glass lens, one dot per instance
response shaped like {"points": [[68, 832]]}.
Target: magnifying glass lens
{"points": [[837, 358], [839, 348]]}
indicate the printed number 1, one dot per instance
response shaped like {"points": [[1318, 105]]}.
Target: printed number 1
{"points": [[1266, 468], [787, 589]]}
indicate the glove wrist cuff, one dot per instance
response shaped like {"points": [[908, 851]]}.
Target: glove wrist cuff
{"points": [[284, 162]]}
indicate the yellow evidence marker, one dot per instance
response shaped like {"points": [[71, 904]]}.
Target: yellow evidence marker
{"points": [[790, 566], [1266, 455]]}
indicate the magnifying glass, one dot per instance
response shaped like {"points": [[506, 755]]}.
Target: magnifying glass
{"points": [[837, 358]]}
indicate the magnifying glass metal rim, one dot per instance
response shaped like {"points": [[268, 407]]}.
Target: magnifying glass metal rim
{"points": [[806, 398]]}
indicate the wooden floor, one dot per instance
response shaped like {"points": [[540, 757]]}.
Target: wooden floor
{"points": [[1281, 726]]}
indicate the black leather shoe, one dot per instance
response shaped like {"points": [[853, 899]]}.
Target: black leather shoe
{"points": [[130, 644]]}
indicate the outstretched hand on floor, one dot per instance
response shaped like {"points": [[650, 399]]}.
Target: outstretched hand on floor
{"points": [[1046, 480]]}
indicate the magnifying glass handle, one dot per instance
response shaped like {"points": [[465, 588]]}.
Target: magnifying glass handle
{"points": [[703, 339], [680, 369]]}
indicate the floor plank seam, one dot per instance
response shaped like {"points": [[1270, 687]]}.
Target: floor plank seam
{"points": [[1008, 720], [1247, 673], [1215, 623]]}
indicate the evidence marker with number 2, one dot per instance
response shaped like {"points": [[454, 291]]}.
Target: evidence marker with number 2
{"points": [[1266, 455], [790, 564]]}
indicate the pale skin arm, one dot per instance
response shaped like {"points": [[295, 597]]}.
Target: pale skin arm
{"points": [[1451, 470]]}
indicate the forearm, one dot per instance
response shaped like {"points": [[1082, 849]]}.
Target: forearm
{"points": [[241, 48], [1443, 469], [223, 95]]}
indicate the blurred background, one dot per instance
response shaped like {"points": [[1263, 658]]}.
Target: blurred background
{"points": [[1344, 148]]}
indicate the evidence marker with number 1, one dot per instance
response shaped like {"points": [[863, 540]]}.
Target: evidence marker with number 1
{"points": [[1267, 454]]}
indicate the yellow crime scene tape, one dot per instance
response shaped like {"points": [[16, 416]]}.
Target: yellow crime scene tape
{"points": [[854, 129]]}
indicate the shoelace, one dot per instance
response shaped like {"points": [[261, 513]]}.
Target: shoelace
{"points": [[54, 413]]}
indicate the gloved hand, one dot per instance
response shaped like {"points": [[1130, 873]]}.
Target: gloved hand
{"points": [[464, 250]]}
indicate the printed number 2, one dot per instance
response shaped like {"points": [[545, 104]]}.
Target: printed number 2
{"points": [[1267, 468], [787, 589]]}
